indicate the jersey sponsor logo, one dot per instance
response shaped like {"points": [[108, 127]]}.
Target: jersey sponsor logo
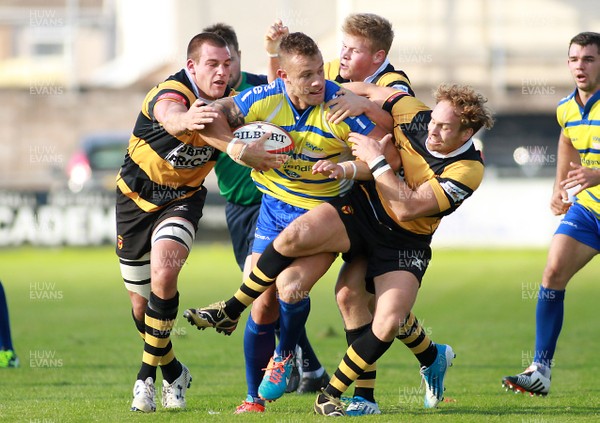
{"points": [[291, 174], [455, 192], [312, 147], [172, 96], [187, 156]]}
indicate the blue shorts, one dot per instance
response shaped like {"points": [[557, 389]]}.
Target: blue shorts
{"points": [[582, 225], [274, 217]]}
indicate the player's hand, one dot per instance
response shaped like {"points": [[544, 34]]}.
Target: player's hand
{"points": [[273, 37], [199, 115], [581, 175], [366, 148], [345, 104], [329, 169], [255, 156], [559, 202]]}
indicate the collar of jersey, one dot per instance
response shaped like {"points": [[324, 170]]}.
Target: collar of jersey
{"points": [[454, 153], [370, 79]]}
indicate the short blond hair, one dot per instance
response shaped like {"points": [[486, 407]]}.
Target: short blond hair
{"points": [[376, 29]]}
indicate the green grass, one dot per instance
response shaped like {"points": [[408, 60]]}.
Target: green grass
{"points": [[79, 350]]}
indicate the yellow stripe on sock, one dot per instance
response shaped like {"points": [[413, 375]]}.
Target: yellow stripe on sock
{"points": [[151, 359], [158, 324], [337, 384], [243, 298], [156, 342], [357, 359], [167, 358]]}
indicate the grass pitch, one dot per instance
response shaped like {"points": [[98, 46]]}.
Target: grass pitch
{"points": [[79, 351]]}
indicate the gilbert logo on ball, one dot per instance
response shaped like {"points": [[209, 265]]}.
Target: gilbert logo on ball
{"points": [[280, 141]]}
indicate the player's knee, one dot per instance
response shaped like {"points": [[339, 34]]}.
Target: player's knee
{"points": [[386, 331], [265, 313], [553, 277], [177, 230]]}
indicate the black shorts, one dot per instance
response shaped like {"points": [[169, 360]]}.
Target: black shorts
{"points": [[241, 222], [386, 245], [135, 226]]}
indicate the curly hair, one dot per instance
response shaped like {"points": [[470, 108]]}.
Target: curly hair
{"points": [[469, 104], [374, 28]]}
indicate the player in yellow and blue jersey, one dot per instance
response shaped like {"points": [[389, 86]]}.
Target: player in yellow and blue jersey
{"points": [[577, 239], [366, 41], [295, 102], [241, 214]]}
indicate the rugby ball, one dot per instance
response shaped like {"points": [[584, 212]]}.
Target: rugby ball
{"points": [[280, 141]]}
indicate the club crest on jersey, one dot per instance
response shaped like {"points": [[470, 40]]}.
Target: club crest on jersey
{"points": [[347, 210], [186, 156]]}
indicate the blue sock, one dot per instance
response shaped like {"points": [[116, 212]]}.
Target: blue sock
{"points": [[5, 338], [548, 318], [292, 318], [259, 343], [310, 362]]}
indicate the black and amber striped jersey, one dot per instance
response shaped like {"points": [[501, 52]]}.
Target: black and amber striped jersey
{"points": [[453, 177], [385, 76], [160, 168]]}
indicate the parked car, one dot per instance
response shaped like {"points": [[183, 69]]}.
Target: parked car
{"points": [[97, 161]]}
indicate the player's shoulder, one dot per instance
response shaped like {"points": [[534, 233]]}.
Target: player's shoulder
{"points": [[563, 101], [393, 78], [332, 69]]}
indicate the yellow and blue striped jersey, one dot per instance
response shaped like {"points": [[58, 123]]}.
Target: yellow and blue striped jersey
{"points": [[314, 139], [582, 126]]}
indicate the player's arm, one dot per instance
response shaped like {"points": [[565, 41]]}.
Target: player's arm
{"points": [[273, 37], [407, 203], [377, 94], [578, 177], [358, 169], [566, 153], [218, 134], [177, 119], [346, 104]]}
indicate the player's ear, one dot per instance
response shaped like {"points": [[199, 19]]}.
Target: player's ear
{"points": [[281, 73], [190, 65], [379, 56]]}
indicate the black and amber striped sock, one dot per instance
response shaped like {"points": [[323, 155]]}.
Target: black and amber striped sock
{"points": [[269, 266], [364, 386], [159, 320], [413, 335], [363, 352]]}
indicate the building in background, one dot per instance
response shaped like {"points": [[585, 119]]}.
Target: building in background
{"points": [[71, 68]]}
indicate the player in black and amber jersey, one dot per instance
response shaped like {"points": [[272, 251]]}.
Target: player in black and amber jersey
{"points": [[160, 195]]}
